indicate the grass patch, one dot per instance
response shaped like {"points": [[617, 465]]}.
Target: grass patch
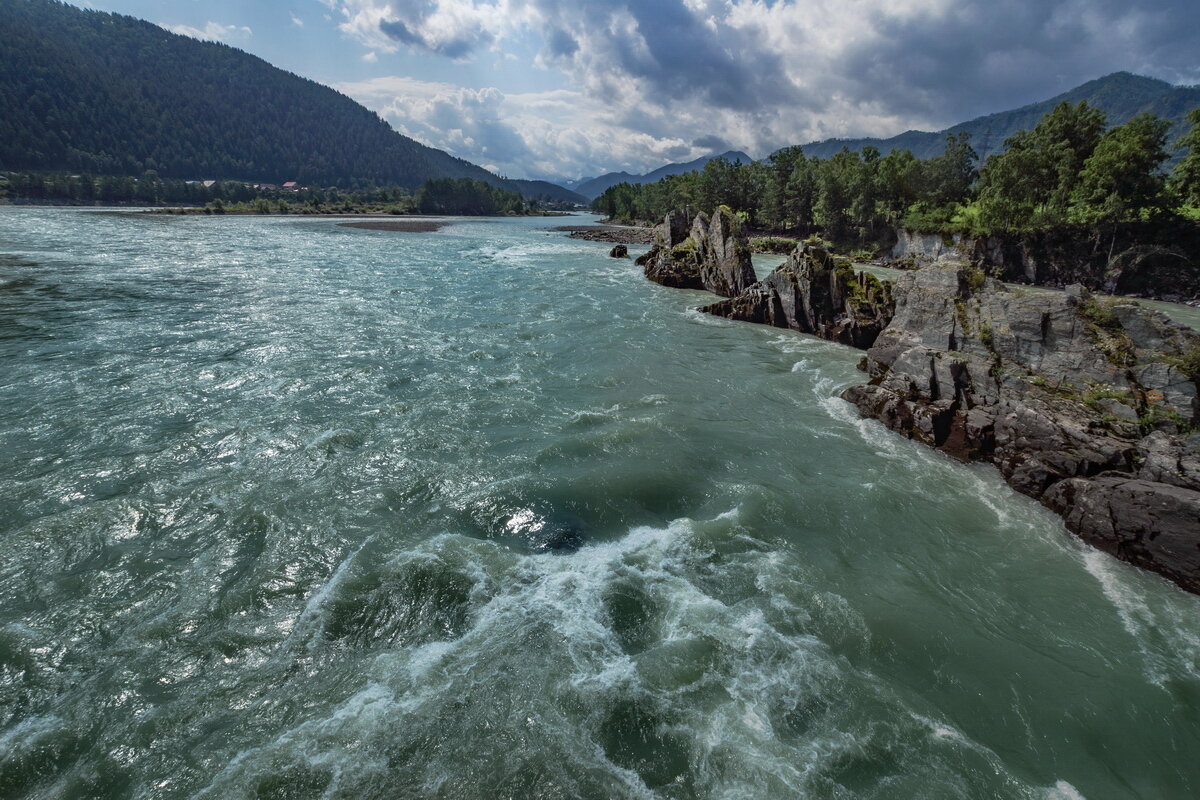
{"points": [[988, 337], [1156, 416], [964, 319], [773, 244], [1104, 326], [684, 249], [1189, 362], [975, 278], [1100, 312]]}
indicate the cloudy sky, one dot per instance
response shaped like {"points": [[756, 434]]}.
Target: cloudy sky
{"points": [[566, 88]]}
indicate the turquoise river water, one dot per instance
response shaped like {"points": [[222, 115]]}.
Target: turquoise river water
{"points": [[293, 510]]}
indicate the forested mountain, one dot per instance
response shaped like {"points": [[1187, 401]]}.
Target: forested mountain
{"points": [[92, 92], [1121, 96], [596, 186]]}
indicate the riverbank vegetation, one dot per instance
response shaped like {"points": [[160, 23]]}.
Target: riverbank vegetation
{"points": [[450, 196], [1070, 174]]}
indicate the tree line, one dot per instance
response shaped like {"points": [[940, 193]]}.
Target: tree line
{"points": [[454, 196], [467, 197], [1070, 170]]}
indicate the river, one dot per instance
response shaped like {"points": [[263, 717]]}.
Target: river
{"points": [[293, 510]]}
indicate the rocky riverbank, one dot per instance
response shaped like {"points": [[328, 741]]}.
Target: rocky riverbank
{"points": [[1088, 405], [400, 225]]}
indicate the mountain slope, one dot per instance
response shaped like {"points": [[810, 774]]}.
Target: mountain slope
{"points": [[593, 188], [88, 91], [1121, 95]]}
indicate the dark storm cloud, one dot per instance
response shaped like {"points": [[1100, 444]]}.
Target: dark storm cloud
{"points": [[561, 44], [406, 25], [400, 32], [712, 143], [994, 54], [669, 48]]}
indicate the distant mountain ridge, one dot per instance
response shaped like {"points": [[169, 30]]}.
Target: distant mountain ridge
{"points": [[1120, 95], [88, 91], [592, 188]]}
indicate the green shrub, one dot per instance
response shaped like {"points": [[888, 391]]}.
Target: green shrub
{"points": [[926, 218], [773, 244], [1189, 362], [975, 277], [1099, 311]]}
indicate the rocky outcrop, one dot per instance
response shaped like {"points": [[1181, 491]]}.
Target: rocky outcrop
{"points": [[619, 251], [1142, 260], [1081, 403], [1153, 525], [814, 292], [923, 249], [710, 254], [1086, 404]]}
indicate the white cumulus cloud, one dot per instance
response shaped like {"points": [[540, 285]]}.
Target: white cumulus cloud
{"points": [[650, 77], [213, 31]]}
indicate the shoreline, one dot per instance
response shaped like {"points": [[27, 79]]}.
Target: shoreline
{"points": [[1089, 405]]}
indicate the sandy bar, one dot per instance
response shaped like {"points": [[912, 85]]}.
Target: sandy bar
{"points": [[399, 225]]}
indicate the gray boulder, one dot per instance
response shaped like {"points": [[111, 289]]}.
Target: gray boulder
{"points": [[1153, 525]]}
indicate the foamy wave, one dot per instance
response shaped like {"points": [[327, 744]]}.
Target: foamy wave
{"points": [[1063, 791], [629, 628], [1164, 633]]}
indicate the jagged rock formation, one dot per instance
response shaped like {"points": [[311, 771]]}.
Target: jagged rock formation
{"points": [[713, 255], [814, 292], [1059, 391], [619, 251]]}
